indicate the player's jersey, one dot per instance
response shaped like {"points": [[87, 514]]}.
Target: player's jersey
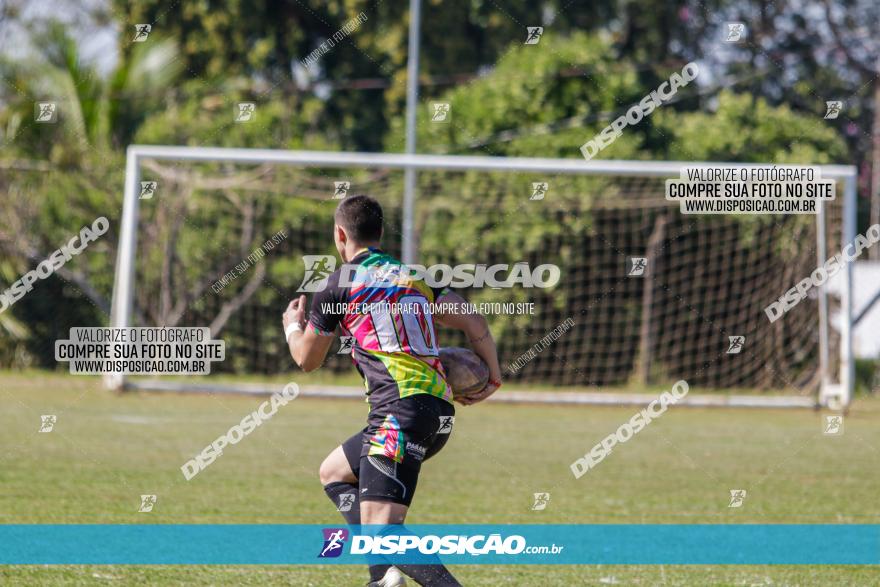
{"points": [[386, 311]]}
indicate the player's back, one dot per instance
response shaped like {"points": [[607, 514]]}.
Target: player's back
{"points": [[387, 311]]}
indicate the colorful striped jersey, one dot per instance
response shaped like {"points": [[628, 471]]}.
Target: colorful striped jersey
{"points": [[375, 300]]}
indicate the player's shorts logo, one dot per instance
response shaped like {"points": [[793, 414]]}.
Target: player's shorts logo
{"points": [[318, 268], [417, 451], [446, 423], [334, 540]]}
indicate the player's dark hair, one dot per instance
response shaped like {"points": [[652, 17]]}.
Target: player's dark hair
{"points": [[361, 217]]}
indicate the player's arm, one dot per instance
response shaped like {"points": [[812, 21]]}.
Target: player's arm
{"points": [[476, 328], [307, 347]]}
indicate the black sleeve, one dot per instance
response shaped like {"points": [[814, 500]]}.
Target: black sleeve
{"points": [[326, 314]]}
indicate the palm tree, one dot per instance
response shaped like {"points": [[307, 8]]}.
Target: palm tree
{"points": [[54, 178], [96, 112]]}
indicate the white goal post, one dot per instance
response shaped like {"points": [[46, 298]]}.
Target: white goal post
{"points": [[834, 391]]}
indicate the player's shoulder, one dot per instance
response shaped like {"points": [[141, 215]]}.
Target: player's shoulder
{"points": [[329, 285]]}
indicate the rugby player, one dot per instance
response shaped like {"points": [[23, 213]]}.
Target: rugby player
{"points": [[411, 411]]}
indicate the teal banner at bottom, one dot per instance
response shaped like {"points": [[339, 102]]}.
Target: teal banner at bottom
{"points": [[592, 544]]}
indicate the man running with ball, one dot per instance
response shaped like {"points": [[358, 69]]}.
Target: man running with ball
{"points": [[374, 473]]}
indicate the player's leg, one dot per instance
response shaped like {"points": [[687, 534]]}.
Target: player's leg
{"points": [[340, 480], [382, 512], [336, 467], [389, 471], [339, 476]]}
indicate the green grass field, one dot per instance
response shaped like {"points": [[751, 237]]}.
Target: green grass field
{"points": [[107, 450]]}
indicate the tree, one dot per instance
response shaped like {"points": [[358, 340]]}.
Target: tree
{"points": [[59, 177], [854, 39], [547, 103]]}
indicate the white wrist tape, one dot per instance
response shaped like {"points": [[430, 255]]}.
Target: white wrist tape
{"points": [[291, 328]]}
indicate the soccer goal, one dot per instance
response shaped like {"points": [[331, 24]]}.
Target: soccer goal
{"points": [[220, 237]]}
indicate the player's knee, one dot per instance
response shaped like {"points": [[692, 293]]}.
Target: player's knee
{"points": [[329, 472], [325, 473]]}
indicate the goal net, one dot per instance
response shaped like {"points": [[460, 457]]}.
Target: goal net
{"points": [[646, 295]]}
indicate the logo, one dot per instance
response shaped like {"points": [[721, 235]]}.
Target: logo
{"points": [[334, 539], [45, 112], [823, 273], [318, 268], [737, 497], [141, 32], [636, 266], [346, 500], [342, 188], [417, 450], [736, 344], [147, 503], [237, 432], [245, 111], [539, 190], [474, 545], [833, 426], [541, 501], [533, 34], [496, 276], [346, 345], [446, 423], [736, 31], [634, 115], [539, 347], [440, 112], [47, 423], [53, 262], [832, 109], [148, 188], [458, 276], [386, 275], [629, 429]]}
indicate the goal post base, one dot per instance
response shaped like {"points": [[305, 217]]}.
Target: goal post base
{"points": [[833, 396]]}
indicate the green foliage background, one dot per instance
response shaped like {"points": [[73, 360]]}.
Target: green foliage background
{"points": [[181, 88]]}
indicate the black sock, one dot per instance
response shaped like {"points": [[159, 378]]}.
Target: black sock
{"points": [[350, 508], [432, 575], [345, 497]]}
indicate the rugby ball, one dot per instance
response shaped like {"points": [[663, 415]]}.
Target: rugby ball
{"points": [[466, 373]]}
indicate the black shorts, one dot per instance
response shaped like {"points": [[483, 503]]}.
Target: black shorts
{"points": [[387, 455]]}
